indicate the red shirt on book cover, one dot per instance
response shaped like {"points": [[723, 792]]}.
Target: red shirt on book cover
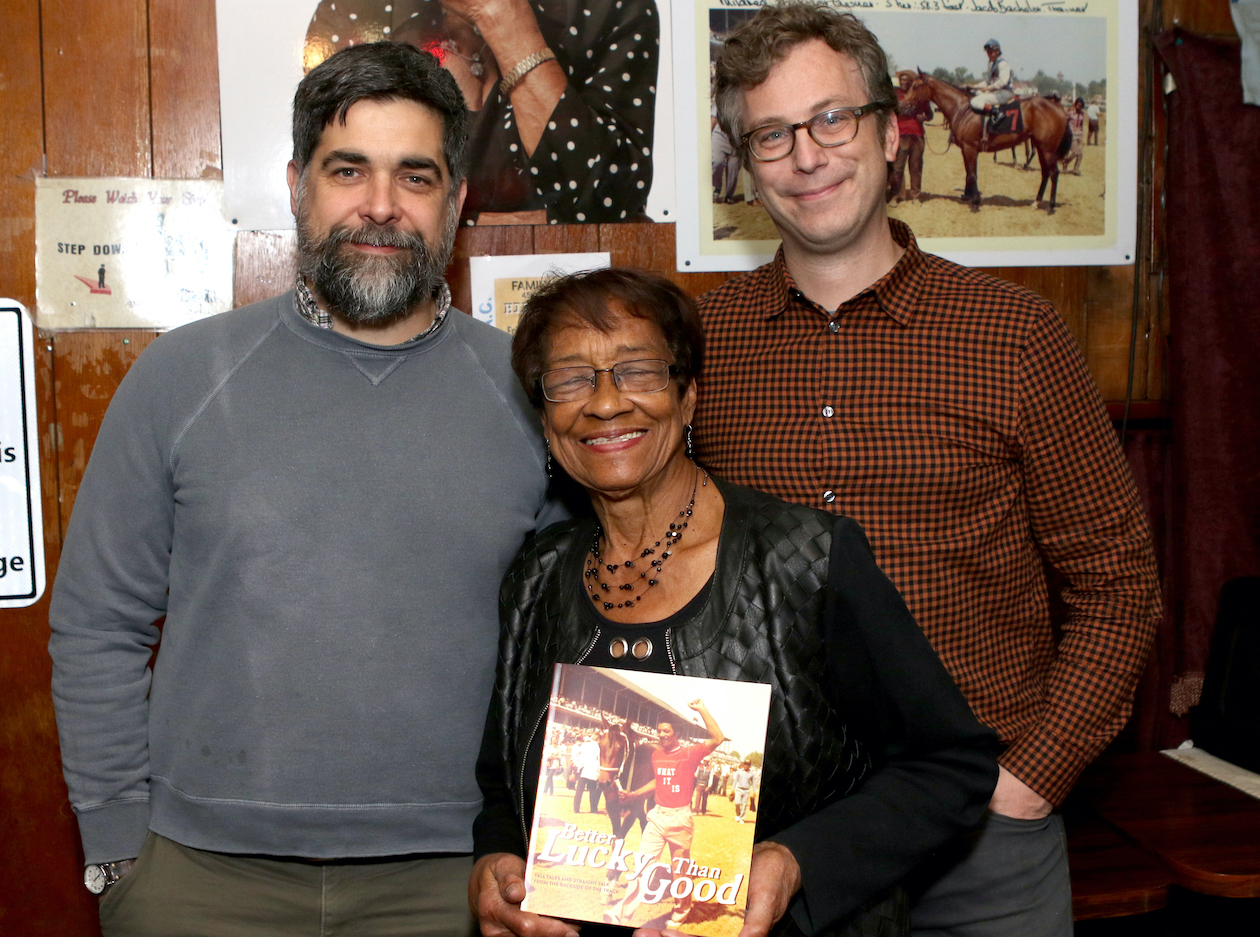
{"points": [[676, 774]]}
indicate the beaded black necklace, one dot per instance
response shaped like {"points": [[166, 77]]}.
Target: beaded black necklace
{"points": [[670, 539]]}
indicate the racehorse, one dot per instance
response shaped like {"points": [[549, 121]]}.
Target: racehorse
{"points": [[622, 769], [624, 766], [1044, 122]]}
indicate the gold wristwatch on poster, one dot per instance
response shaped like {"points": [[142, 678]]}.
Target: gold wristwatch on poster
{"points": [[523, 68]]}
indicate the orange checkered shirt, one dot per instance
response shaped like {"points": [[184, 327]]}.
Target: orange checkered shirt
{"points": [[951, 414]]}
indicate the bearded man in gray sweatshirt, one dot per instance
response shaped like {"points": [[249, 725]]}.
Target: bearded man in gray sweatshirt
{"points": [[320, 492]]}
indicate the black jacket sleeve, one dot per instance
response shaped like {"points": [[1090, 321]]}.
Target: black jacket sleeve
{"points": [[498, 825], [934, 763]]}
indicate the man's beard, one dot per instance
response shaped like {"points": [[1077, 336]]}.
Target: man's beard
{"points": [[365, 288]]}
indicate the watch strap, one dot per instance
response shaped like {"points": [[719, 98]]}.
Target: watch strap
{"points": [[111, 872], [523, 68]]}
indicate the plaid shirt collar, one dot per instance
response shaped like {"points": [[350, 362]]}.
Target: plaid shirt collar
{"points": [[896, 292], [316, 315]]}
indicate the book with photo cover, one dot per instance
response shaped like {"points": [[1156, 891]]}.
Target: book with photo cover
{"points": [[647, 800]]}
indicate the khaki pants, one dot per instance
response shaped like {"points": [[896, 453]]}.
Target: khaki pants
{"points": [[668, 836], [176, 891]]}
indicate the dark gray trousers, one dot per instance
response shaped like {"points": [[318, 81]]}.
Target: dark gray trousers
{"points": [[176, 891], [1006, 878]]}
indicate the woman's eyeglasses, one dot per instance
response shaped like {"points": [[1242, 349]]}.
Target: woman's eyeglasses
{"points": [[641, 376]]}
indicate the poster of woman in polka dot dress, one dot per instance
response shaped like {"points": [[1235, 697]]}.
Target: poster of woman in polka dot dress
{"points": [[563, 94]]}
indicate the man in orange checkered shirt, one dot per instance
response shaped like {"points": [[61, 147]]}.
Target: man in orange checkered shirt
{"points": [[951, 414]]}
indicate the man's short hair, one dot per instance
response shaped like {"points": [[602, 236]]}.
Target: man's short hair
{"points": [[672, 721], [759, 43], [379, 71]]}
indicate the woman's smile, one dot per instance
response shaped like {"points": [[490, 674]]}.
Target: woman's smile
{"points": [[614, 440]]}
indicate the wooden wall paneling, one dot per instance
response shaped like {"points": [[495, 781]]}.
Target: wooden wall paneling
{"points": [[184, 80], [566, 238], [697, 284], [626, 243], [264, 265], [1149, 362], [653, 247], [40, 875], [49, 445], [645, 246], [88, 366], [1063, 286], [41, 870], [96, 88], [1156, 306], [1210, 17], [22, 156], [491, 240], [1160, 319], [1109, 318]]}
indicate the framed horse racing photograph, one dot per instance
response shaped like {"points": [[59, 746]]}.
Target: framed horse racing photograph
{"points": [[1018, 126]]}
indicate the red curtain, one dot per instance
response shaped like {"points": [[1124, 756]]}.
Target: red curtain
{"points": [[1212, 505], [1153, 726]]}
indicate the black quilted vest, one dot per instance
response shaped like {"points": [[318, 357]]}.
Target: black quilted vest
{"points": [[762, 624]]}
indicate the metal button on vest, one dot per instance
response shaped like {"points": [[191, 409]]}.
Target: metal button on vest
{"points": [[828, 412], [829, 496], [833, 325]]}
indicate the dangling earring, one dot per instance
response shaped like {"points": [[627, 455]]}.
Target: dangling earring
{"points": [[691, 450], [547, 443]]}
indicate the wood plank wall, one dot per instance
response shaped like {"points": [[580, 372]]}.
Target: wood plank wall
{"points": [[130, 88]]}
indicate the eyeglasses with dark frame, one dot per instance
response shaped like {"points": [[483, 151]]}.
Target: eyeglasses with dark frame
{"points": [[835, 127], [640, 376]]}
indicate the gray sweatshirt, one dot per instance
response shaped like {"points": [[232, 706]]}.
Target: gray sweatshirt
{"points": [[324, 524]]}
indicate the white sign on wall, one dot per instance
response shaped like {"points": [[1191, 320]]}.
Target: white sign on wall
{"points": [[21, 523], [500, 285], [130, 253]]}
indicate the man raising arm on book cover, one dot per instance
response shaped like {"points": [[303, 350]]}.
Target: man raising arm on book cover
{"points": [[670, 826]]}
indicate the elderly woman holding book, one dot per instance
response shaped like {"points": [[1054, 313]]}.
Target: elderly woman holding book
{"points": [[873, 759]]}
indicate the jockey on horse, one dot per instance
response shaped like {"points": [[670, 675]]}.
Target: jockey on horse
{"points": [[999, 85]]}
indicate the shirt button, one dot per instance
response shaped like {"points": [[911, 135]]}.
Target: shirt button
{"points": [[828, 411], [829, 496], [834, 326]]}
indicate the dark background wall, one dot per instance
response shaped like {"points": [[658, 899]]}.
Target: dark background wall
{"points": [[130, 88]]}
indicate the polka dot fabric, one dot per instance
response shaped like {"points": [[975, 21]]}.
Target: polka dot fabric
{"points": [[594, 161]]}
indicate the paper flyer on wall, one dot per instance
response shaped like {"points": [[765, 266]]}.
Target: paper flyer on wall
{"points": [[502, 284], [647, 799]]}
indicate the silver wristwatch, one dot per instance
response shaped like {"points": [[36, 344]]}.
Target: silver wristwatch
{"points": [[100, 876]]}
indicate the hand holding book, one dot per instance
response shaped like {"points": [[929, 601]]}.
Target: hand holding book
{"points": [[683, 865], [772, 881], [495, 892]]}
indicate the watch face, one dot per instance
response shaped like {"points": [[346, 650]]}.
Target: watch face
{"points": [[94, 879]]}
